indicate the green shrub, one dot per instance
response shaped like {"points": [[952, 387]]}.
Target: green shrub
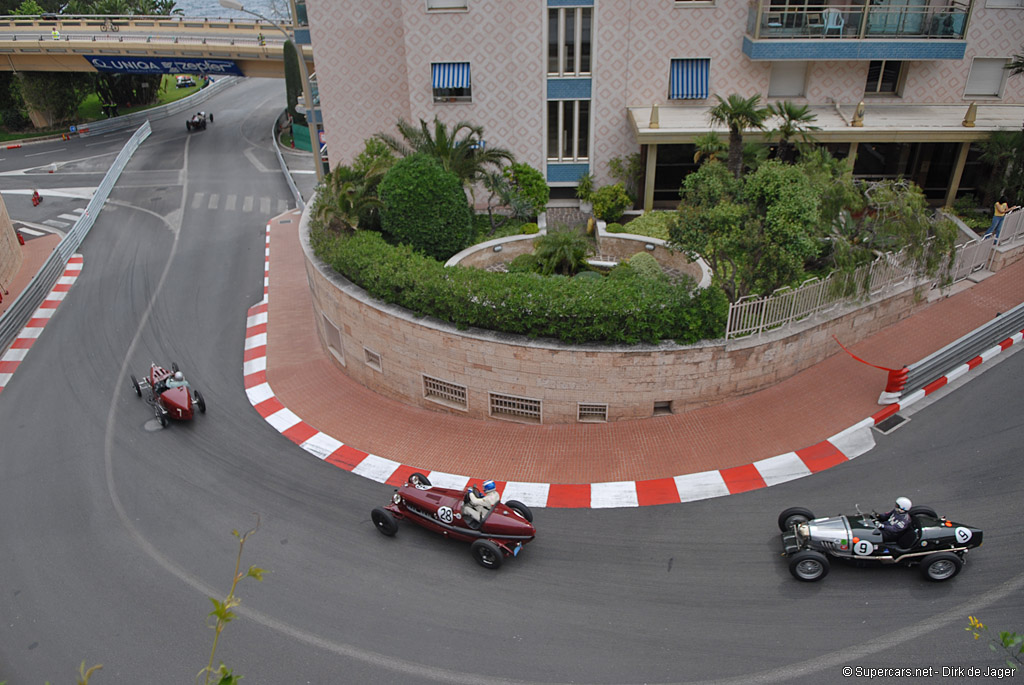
{"points": [[651, 224], [561, 252], [622, 271], [614, 228], [529, 184], [646, 266], [530, 229], [610, 202], [574, 310], [589, 274], [585, 187], [425, 206], [524, 263]]}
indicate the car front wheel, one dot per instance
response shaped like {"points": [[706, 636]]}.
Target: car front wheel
{"points": [[521, 509], [384, 521], [808, 565], [794, 515], [200, 402], [487, 554], [135, 385], [941, 566], [922, 510], [419, 479]]}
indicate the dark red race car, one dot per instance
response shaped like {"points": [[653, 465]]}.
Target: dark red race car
{"points": [[503, 531], [169, 394]]}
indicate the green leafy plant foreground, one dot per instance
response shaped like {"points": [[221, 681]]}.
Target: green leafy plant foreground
{"points": [[572, 310]]}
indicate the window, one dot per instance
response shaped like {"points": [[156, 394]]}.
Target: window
{"points": [[1005, 4], [568, 130], [570, 40], [688, 79], [451, 82], [787, 80], [447, 4], [884, 77], [986, 78]]}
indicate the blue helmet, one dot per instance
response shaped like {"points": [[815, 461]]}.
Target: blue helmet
{"points": [[489, 485]]}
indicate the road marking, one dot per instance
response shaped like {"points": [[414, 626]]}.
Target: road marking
{"points": [[70, 217], [30, 231], [48, 152], [197, 200], [282, 206], [247, 204], [229, 202], [264, 205], [214, 201], [56, 224]]}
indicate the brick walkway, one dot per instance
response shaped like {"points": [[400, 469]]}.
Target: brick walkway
{"points": [[798, 412]]}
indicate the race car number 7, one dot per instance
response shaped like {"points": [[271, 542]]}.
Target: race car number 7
{"points": [[445, 514]]}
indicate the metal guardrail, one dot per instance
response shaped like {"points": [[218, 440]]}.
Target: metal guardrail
{"points": [[963, 350], [299, 202], [21, 310], [134, 119]]}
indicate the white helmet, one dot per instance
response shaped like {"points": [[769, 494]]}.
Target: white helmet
{"points": [[903, 504], [179, 376]]}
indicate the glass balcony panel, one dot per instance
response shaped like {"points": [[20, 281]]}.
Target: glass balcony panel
{"points": [[903, 19]]}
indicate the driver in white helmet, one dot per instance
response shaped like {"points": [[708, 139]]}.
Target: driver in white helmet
{"points": [[894, 523], [177, 380]]}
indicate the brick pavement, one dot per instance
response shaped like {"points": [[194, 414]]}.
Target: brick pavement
{"points": [[798, 413]]}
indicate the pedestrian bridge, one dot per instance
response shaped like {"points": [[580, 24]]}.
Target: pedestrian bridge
{"points": [[146, 44]]}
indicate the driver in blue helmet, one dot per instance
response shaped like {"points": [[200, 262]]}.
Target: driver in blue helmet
{"points": [[477, 506], [896, 522]]}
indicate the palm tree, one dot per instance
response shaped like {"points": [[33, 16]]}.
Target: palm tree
{"points": [[708, 146], [346, 194], [460, 150], [794, 121], [738, 114]]}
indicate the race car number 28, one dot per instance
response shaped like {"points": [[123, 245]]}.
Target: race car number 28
{"points": [[445, 514], [962, 534]]}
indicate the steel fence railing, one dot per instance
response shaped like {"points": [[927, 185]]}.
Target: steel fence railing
{"points": [[754, 315], [21, 310]]}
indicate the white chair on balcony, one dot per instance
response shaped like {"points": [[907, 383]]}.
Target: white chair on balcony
{"points": [[834, 21]]}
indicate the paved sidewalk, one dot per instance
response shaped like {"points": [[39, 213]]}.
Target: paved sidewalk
{"points": [[307, 398]]}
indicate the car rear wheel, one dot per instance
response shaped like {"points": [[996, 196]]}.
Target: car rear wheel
{"points": [[200, 402], [188, 125], [808, 565], [923, 511], [941, 566], [487, 554], [794, 515], [419, 479], [521, 509], [161, 416], [384, 521], [135, 385]]}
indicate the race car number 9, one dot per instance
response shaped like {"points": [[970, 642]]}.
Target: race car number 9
{"points": [[962, 534], [445, 514], [863, 547]]}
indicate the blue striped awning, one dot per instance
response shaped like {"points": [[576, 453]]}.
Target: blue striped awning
{"points": [[688, 79], [450, 75]]}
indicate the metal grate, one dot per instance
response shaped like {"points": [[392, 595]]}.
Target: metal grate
{"points": [[522, 408], [663, 408], [332, 336], [444, 392], [591, 412], [372, 359]]}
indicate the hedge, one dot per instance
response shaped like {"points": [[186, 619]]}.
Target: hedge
{"points": [[573, 310]]}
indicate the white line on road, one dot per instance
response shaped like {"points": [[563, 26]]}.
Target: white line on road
{"points": [[48, 152]]}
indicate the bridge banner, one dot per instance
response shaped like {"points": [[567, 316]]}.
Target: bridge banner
{"points": [[145, 64]]}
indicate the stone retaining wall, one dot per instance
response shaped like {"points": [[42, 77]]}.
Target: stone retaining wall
{"points": [[10, 248], [390, 351]]}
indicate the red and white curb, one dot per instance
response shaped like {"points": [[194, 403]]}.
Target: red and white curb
{"points": [[838, 449], [16, 353]]}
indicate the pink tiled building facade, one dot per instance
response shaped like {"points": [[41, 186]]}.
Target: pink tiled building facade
{"points": [[568, 85]]}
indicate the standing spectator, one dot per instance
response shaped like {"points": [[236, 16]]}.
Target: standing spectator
{"points": [[998, 212], [55, 33]]}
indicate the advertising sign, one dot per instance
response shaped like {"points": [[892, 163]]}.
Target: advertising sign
{"points": [[145, 64]]}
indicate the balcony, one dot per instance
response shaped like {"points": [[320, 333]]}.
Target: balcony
{"points": [[905, 30]]}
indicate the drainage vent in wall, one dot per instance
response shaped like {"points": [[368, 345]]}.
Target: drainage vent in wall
{"points": [[372, 359], [590, 412], [663, 408], [517, 408], [450, 394]]}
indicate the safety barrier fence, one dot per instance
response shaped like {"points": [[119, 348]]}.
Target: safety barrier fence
{"points": [[299, 202], [187, 104], [968, 347], [23, 307], [816, 297]]}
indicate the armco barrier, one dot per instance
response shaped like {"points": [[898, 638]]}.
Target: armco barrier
{"points": [[963, 350], [134, 119], [21, 310]]}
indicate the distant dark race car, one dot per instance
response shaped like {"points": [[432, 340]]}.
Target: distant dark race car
{"points": [[936, 544], [501, 533], [170, 396], [198, 121]]}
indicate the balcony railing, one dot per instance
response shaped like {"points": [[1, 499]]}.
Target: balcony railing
{"points": [[789, 19]]}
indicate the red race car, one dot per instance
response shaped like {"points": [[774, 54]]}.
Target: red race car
{"points": [[169, 394], [495, 530]]}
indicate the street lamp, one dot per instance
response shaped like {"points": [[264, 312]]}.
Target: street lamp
{"points": [[307, 95]]}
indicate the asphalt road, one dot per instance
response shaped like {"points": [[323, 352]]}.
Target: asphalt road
{"points": [[114, 533]]}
